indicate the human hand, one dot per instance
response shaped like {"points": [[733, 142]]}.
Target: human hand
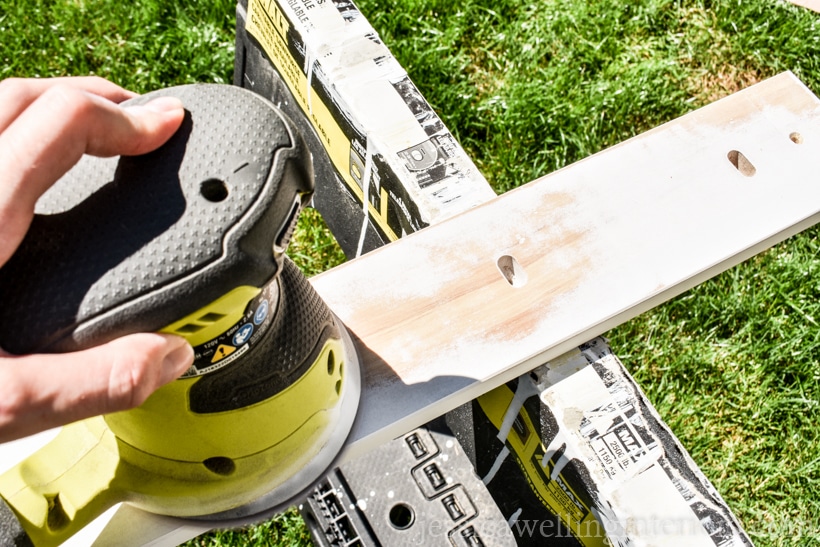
{"points": [[46, 125]]}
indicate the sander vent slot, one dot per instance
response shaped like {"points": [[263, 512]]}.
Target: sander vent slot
{"points": [[190, 328], [208, 319], [211, 317]]}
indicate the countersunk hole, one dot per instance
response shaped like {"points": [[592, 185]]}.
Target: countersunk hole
{"points": [[796, 138], [741, 163], [56, 519], [401, 516], [214, 190], [220, 465], [512, 271], [331, 363]]}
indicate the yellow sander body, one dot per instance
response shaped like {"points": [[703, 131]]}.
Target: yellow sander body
{"points": [[188, 240]]}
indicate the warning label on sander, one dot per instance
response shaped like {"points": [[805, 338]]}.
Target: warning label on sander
{"points": [[237, 340]]}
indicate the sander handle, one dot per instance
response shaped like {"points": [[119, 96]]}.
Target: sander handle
{"points": [[62, 487]]}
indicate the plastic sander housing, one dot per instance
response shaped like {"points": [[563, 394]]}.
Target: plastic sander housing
{"points": [[190, 240]]}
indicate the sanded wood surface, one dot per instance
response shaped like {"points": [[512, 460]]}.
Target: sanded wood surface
{"points": [[598, 242], [592, 245]]}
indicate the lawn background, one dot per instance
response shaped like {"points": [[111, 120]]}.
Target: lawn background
{"points": [[528, 88]]}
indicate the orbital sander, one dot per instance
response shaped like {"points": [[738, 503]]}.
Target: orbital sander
{"points": [[190, 240]]}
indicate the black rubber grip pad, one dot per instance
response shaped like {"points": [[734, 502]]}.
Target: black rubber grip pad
{"points": [[132, 244]]}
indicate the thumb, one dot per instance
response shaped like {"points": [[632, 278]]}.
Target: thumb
{"points": [[54, 132], [149, 126], [38, 392]]}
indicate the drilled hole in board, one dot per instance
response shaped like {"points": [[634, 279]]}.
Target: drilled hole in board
{"points": [[796, 137], [512, 271], [741, 163], [213, 190]]}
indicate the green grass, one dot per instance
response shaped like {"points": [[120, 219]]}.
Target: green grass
{"points": [[732, 366], [286, 529], [531, 87], [141, 45]]}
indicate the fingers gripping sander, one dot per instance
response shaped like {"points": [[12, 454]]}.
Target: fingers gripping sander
{"points": [[190, 240]]}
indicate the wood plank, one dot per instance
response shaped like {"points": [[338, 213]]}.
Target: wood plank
{"points": [[599, 242], [813, 5]]}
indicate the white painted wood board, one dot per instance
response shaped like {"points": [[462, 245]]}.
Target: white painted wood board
{"points": [[813, 5], [600, 241]]}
